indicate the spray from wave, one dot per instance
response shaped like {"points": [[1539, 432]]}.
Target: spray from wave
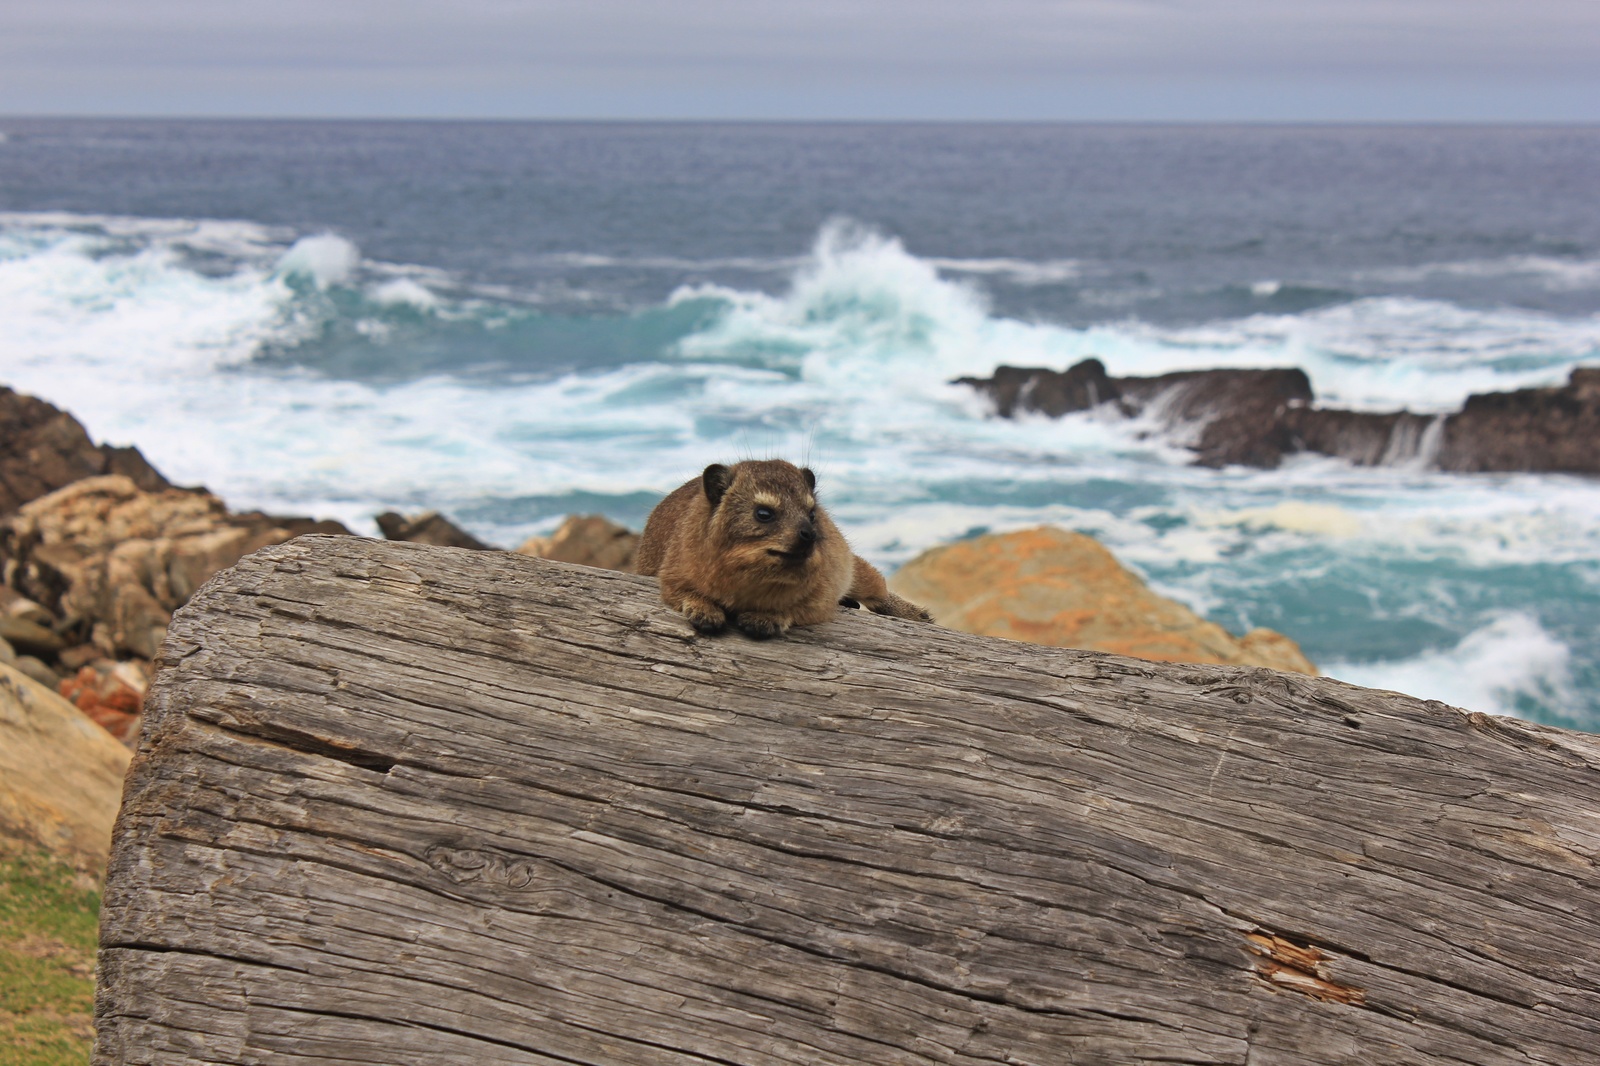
{"points": [[1510, 666]]}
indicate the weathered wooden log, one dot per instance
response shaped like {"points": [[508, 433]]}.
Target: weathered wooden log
{"points": [[413, 805]]}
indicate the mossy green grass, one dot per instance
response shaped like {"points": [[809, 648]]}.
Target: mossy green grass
{"points": [[49, 915]]}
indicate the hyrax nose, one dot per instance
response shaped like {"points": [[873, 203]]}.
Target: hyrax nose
{"points": [[808, 533]]}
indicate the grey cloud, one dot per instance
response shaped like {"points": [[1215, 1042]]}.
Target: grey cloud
{"points": [[481, 48]]}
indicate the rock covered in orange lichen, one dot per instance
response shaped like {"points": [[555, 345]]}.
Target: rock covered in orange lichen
{"points": [[112, 694], [1049, 586]]}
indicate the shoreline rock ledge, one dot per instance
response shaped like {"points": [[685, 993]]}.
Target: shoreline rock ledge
{"points": [[1259, 417]]}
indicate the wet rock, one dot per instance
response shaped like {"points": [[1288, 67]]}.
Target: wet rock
{"points": [[43, 448], [1237, 416], [1049, 392], [60, 774], [590, 540], [430, 527], [1258, 417], [1554, 430], [1397, 438], [1049, 586], [1227, 416]]}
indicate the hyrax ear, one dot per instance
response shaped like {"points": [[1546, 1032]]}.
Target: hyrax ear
{"points": [[716, 480], [811, 479]]}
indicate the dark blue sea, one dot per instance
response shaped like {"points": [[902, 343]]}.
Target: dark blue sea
{"points": [[513, 321]]}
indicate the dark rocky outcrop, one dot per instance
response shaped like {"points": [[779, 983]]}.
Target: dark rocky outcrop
{"points": [[43, 448], [1545, 430], [431, 527], [1257, 417]]}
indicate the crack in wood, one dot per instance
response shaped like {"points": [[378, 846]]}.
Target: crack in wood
{"points": [[283, 736], [1283, 963]]}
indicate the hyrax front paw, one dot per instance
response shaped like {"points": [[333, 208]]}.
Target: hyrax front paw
{"points": [[704, 615], [760, 626]]}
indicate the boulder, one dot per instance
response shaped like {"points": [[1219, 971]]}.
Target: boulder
{"points": [[111, 694], [1553, 430], [1049, 392], [589, 540], [43, 448], [29, 636], [1227, 416], [36, 668], [430, 527], [14, 604], [1257, 417], [60, 774], [111, 560], [1052, 587], [1362, 438]]}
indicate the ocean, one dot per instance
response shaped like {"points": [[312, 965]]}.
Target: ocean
{"points": [[510, 322]]}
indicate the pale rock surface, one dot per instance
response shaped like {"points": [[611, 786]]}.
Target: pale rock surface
{"points": [[590, 540], [112, 561], [1052, 587], [60, 774]]}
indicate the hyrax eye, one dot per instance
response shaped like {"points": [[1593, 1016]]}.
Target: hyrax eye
{"points": [[765, 514]]}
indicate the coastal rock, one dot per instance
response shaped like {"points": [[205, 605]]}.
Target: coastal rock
{"points": [[1257, 417], [1229, 417], [1049, 586], [1554, 430], [30, 637], [430, 527], [1226, 416], [43, 448], [36, 668], [590, 540], [14, 604], [111, 694], [111, 561], [60, 774], [1396, 438], [1049, 392]]}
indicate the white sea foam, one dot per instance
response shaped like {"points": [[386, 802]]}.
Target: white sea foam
{"points": [[1016, 271], [1556, 275], [404, 291], [1495, 669], [325, 259]]}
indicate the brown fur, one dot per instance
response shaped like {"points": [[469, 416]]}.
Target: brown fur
{"points": [[750, 544]]}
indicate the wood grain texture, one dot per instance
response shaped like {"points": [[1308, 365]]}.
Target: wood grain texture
{"points": [[403, 804]]}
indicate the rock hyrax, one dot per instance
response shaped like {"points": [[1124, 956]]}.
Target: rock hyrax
{"points": [[749, 544]]}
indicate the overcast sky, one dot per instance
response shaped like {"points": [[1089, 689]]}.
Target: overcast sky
{"points": [[1275, 60]]}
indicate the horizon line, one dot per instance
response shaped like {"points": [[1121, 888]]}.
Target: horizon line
{"points": [[793, 121]]}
